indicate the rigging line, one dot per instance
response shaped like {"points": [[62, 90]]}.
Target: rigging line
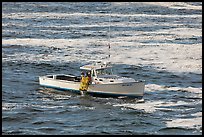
{"points": [[109, 35]]}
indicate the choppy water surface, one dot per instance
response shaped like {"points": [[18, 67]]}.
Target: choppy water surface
{"points": [[158, 42]]}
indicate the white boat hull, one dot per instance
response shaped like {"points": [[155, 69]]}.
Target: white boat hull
{"points": [[60, 84], [119, 89], [131, 89]]}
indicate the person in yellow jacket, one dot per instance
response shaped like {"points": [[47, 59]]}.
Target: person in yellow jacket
{"points": [[84, 82], [89, 77]]}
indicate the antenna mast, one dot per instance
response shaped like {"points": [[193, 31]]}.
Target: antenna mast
{"points": [[109, 34]]}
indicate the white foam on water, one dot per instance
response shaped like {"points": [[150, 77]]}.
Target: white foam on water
{"points": [[154, 52], [168, 56], [78, 45], [13, 106], [176, 5], [153, 106], [47, 106], [89, 108], [74, 107], [197, 92], [148, 107], [59, 43], [198, 114], [173, 5], [60, 15], [155, 87], [40, 15], [186, 123]]}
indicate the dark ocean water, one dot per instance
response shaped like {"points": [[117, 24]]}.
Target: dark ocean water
{"points": [[52, 38]]}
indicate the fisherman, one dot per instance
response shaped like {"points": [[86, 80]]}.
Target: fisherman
{"points": [[82, 81], [89, 77], [82, 76], [86, 81]]}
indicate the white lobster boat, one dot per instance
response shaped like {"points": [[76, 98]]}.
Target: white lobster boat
{"points": [[103, 82]]}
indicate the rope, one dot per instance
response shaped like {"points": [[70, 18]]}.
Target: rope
{"points": [[109, 35]]}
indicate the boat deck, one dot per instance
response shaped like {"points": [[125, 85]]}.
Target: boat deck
{"points": [[68, 78]]}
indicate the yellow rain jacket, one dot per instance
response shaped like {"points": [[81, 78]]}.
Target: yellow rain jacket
{"points": [[84, 83]]}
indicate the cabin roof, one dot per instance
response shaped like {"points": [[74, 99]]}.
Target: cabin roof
{"points": [[96, 67]]}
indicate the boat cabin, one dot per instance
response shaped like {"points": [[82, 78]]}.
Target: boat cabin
{"points": [[98, 69], [101, 73]]}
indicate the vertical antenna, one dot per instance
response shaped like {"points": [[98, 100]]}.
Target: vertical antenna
{"points": [[109, 33]]}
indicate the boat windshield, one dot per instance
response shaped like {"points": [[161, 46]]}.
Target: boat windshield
{"points": [[106, 71]]}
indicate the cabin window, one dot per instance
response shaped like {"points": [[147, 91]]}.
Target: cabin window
{"points": [[107, 71], [93, 74]]}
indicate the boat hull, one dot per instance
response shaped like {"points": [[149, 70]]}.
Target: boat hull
{"points": [[132, 89]]}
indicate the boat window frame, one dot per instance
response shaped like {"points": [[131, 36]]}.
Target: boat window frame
{"points": [[93, 73], [108, 69]]}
